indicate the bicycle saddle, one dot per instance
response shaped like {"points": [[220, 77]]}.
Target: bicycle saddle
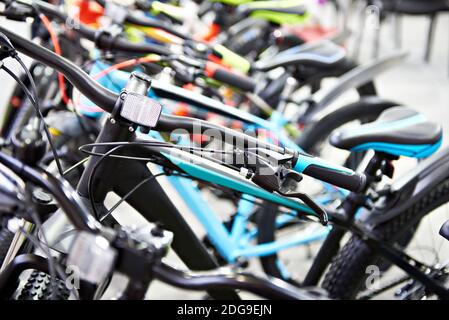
{"points": [[444, 231], [279, 12], [399, 131], [324, 54]]}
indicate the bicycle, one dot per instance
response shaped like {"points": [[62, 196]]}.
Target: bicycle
{"points": [[120, 250], [232, 252], [426, 143]]}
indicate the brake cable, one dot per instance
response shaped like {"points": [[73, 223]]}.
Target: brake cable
{"points": [[35, 104]]}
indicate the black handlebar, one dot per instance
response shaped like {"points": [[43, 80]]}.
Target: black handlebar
{"points": [[351, 181], [239, 81], [105, 41], [106, 100], [99, 95], [62, 191], [267, 288], [274, 289], [101, 39], [137, 17]]}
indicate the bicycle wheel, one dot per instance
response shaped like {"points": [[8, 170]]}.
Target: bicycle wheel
{"points": [[348, 276], [6, 238], [38, 287]]}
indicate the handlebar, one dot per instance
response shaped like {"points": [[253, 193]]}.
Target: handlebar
{"points": [[80, 218], [63, 193], [231, 78], [105, 41], [267, 288], [106, 100], [89, 87], [101, 39], [347, 180], [136, 17]]}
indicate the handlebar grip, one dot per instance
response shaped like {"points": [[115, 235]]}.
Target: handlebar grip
{"points": [[351, 181], [232, 59], [336, 175], [231, 78]]}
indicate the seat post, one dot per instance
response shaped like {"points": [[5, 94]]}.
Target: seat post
{"points": [[430, 37], [374, 165], [355, 200]]}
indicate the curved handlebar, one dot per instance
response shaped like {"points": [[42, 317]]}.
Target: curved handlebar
{"points": [[239, 81], [269, 289], [61, 190], [136, 17], [89, 87], [103, 42], [106, 100]]}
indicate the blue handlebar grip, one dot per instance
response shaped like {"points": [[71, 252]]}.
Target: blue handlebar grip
{"points": [[336, 175]]}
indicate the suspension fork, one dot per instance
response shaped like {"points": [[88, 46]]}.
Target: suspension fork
{"points": [[150, 200], [342, 223]]}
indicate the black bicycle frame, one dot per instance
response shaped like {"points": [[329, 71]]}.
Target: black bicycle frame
{"points": [[122, 175], [141, 269], [150, 200]]}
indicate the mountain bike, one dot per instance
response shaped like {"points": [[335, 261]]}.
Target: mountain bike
{"points": [[116, 250], [390, 137], [232, 252]]}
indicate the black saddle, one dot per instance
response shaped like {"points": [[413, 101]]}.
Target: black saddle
{"points": [[324, 54], [399, 131]]}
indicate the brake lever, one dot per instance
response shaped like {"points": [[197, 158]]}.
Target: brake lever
{"points": [[321, 213], [272, 182], [198, 50], [190, 62], [294, 177]]}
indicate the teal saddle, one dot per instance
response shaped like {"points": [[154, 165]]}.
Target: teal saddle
{"points": [[399, 131]]}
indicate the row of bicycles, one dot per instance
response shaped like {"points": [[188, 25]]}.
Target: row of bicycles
{"points": [[128, 118]]}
